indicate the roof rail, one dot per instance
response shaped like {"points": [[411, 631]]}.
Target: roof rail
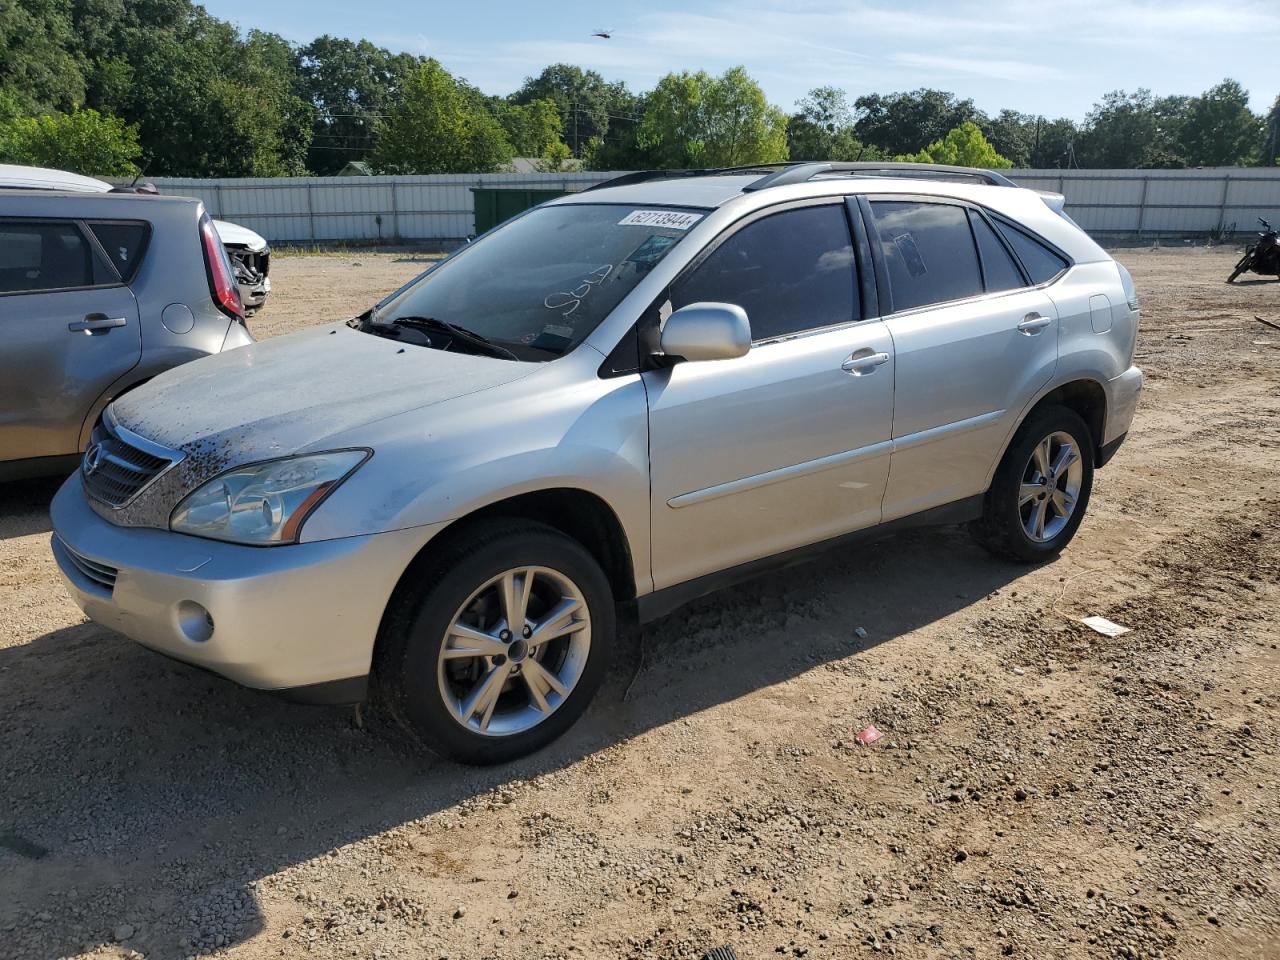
{"points": [[803, 172], [642, 176]]}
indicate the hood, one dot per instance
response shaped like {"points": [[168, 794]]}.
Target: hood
{"points": [[239, 236], [288, 394]]}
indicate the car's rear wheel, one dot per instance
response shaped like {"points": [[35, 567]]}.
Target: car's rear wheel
{"points": [[1041, 489], [497, 643]]}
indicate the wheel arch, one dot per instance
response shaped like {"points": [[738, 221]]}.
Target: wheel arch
{"points": [[579, 514], [1087, 398], [1084, 395]]}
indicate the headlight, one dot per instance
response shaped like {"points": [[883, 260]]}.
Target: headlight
{"points": [[264, 503]]}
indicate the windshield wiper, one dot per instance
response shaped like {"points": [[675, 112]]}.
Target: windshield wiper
{"points": [[476, 340]]}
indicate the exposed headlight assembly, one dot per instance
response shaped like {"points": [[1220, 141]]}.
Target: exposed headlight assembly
{"points": [[264, 503]]}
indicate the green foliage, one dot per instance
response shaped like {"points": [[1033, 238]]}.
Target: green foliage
{"points": [[555, 157], [899, 123], [437, 128], [582, 97], [696, 120], [83, 141], [39, 65], [1218, 128], [209, 100], [532, 128], [1131, 130], [822, 128], [349, 84], [965, 146], [1271, 146]]}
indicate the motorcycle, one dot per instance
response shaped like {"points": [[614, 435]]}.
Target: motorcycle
{"points": [[1262, 257]]}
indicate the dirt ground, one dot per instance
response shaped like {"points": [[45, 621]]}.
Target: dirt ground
{"points": [[1041, 791]]}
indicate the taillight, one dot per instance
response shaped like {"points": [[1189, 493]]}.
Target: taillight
{"points": [[222, 283]]}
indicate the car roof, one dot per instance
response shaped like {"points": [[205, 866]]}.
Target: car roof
{"points": [[17, 176], [744, 193], [63, 203]]}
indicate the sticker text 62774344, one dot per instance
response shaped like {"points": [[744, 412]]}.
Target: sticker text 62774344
{"points": [[670, 219]]}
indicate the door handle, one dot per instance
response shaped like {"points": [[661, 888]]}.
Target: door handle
{"points": [[1032, 324], [863, 362], [96, 321]]}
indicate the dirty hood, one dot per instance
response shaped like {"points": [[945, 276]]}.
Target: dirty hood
{"points": [[287, 394]]}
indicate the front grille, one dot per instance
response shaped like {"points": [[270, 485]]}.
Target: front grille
{"points": [[96, 573], [118, 464]]}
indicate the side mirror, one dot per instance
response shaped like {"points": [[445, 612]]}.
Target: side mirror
{"points": [[706, 331]]}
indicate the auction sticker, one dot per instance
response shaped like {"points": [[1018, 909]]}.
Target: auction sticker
{"points": [[669, 219]]}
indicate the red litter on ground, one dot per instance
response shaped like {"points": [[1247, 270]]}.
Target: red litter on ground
{"points": [[868, 735]]}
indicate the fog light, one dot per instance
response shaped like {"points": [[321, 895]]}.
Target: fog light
{"points": [[195, 622]]}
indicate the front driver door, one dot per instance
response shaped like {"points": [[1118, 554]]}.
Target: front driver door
{"points": [[69, 329], [788, 445]]}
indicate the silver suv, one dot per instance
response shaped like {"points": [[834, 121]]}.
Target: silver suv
{"points": [[98, 293], [620, 400]]}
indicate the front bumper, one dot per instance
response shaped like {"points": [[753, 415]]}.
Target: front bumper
{"points": [[278, 618], [254, 295]]}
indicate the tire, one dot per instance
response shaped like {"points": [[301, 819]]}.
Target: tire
{"points": [[460, 588], [1020, 494], [1245, 263]]}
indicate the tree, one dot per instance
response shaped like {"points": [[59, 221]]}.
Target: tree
{"points": [[349, 85], [1271, 147], [694, 119], [83, 141], [437, 128], [1131, 130], [1218, 129], [532, 128], [822, 128], [905, 122], [37, 65], [208, 102], [965, 146], [582, 97]]}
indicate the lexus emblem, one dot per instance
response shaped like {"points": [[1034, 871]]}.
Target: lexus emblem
{"points": [[92, 459]]}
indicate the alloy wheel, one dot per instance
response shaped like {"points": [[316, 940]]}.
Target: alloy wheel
{"points": [[514, 652], [1050, 487]]}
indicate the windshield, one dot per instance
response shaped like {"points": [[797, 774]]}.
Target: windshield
{"points": [[540, 284]]}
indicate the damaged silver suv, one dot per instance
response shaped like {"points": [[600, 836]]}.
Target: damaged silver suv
{"points": [[616, 402]]}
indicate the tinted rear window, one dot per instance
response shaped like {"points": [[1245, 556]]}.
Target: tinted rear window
{"points": [[125, 242], [929, 250], [998, 268], [1041, 263], [47, 255]]}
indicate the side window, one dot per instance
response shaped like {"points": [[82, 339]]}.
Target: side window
{"points": [[929, 250], [791, 271], [47, 255], [998, 268], [1041, 263], [125, 241]]}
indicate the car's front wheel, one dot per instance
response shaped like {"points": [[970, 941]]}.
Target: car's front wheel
{"points": [[1041, 488], [497, 643]]}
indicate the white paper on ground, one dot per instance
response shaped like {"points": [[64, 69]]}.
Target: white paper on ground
{"points": [[1105, 626]]}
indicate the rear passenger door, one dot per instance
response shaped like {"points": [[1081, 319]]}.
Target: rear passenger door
{"points": [[68, 330], [974, 341], [789, 444]]}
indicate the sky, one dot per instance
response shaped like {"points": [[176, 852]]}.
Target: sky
{"points": [[1051, 57]]}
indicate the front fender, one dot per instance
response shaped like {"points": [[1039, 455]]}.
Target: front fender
{"points": [[444, 463]]}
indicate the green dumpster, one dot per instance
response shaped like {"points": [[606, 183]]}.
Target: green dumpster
{"points": [[496, 204]]}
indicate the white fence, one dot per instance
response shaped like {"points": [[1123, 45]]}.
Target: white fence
{"points": [[1107, 203], [302, 209], [1113, 203]]}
